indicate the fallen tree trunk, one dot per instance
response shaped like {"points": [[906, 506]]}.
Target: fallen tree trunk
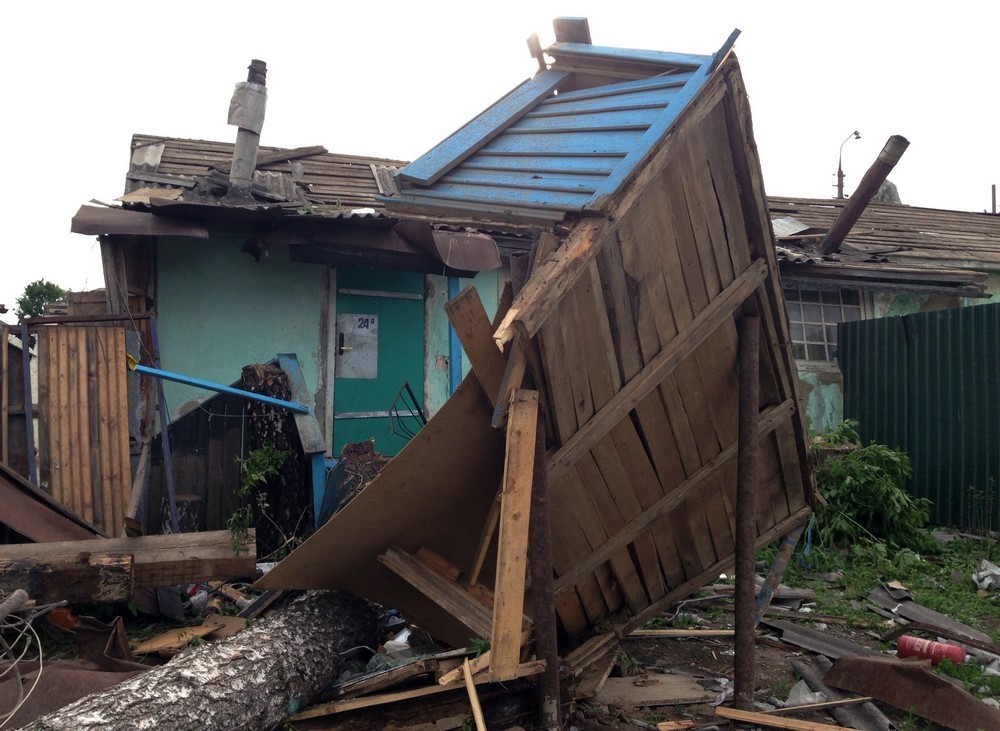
{"points": [[251, 680]]}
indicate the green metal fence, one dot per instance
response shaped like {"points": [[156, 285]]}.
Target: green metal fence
{"points": [[929, 383]]}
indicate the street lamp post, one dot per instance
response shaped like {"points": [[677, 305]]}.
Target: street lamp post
{"points": [[840, 168]]}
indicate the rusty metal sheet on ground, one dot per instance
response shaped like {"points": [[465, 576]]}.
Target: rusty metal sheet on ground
{"points": [[913, 686], [816, 641], [899, 602]]}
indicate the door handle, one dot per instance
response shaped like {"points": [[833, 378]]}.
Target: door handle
{"points": [[340, 345]]}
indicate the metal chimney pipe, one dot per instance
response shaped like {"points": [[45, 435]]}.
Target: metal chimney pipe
{"points": [[246, 112], [868, 187]]}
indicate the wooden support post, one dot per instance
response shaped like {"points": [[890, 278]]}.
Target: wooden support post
{"points": [[515, 509], [775, 573], [746, 506], [470, 687], [475, 331], [543, 585]]}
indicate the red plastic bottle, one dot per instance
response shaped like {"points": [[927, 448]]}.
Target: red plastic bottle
{"points": [[910, 646]]}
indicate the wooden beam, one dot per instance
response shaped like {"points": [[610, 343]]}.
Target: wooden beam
{"points": [[692, 585], [474, 329], [769, 421], [764, 719], [686, 342], [82, 578], [513, 377], [470, 688], [138, 487], [554, 276], [515, 510], [524, 670], [450, 596], [166, 560]]}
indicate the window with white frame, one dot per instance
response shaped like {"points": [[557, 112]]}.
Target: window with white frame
{"points": [[813, 316]]}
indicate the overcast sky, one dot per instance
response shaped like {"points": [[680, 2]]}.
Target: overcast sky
{"points": [[391, 79]]}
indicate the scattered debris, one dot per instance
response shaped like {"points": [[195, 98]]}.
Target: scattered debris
{"points": [[912, 686]]}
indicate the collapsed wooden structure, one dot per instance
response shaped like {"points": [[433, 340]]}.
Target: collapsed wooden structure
{"points": [[636, 174]]}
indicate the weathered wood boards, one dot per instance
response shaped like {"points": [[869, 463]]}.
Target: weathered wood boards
{"points": [[628, 326], [164, 560], [83, 425]]}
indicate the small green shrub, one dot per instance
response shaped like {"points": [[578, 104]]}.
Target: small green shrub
{"points": [[866, 503], [261, 464]]}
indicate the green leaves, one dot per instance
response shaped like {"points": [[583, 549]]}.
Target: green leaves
{"points": [[866, 502]]}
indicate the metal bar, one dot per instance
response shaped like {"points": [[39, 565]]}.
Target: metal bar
{"points": [[209, 386], [454, 345], [29, 417], [364, 415], [161, 407], [382, 293], [746, 506]]}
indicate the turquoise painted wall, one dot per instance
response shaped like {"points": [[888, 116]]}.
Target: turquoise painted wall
{"points": [[219, 310]]}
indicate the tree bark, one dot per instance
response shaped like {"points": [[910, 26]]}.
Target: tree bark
{"points": [[251, 680]]}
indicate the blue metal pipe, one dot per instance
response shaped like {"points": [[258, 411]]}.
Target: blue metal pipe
{"points": [[209, 386]]}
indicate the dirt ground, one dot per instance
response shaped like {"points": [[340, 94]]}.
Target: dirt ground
{"points": [[710, 659]]}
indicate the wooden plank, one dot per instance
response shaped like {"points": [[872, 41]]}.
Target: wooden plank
{"points": [[444, 156], [621, 322], [84, 577], [610, 464], [595, 677], [470, 688], [566, 551], [765, 719], [452, 597], [513, 377], [768, 421], [162, 560], [656, 370], [138, 485], [554, 278], [599, 525], [473, 328], [657, 689], [524, 670], [515, 511], [489, 528], [696, 582]]}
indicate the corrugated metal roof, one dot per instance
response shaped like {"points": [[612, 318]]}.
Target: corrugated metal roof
{"points": [[559, 143]]}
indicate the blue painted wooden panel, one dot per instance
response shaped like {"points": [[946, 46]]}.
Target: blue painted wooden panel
{"points": [[472, 211], [576, 143], [624, 55], [591, 165], [504, 197], [673, 81], [442, 158], [645, 100], [653, 135], [606, 121], [530, 181]]}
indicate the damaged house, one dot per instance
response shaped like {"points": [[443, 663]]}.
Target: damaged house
{"points": [[616, 375], [627, 426]]}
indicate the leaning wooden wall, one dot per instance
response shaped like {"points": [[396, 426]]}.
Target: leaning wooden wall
{"points": [[83, 448], [683, 251], [205, 444]]}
